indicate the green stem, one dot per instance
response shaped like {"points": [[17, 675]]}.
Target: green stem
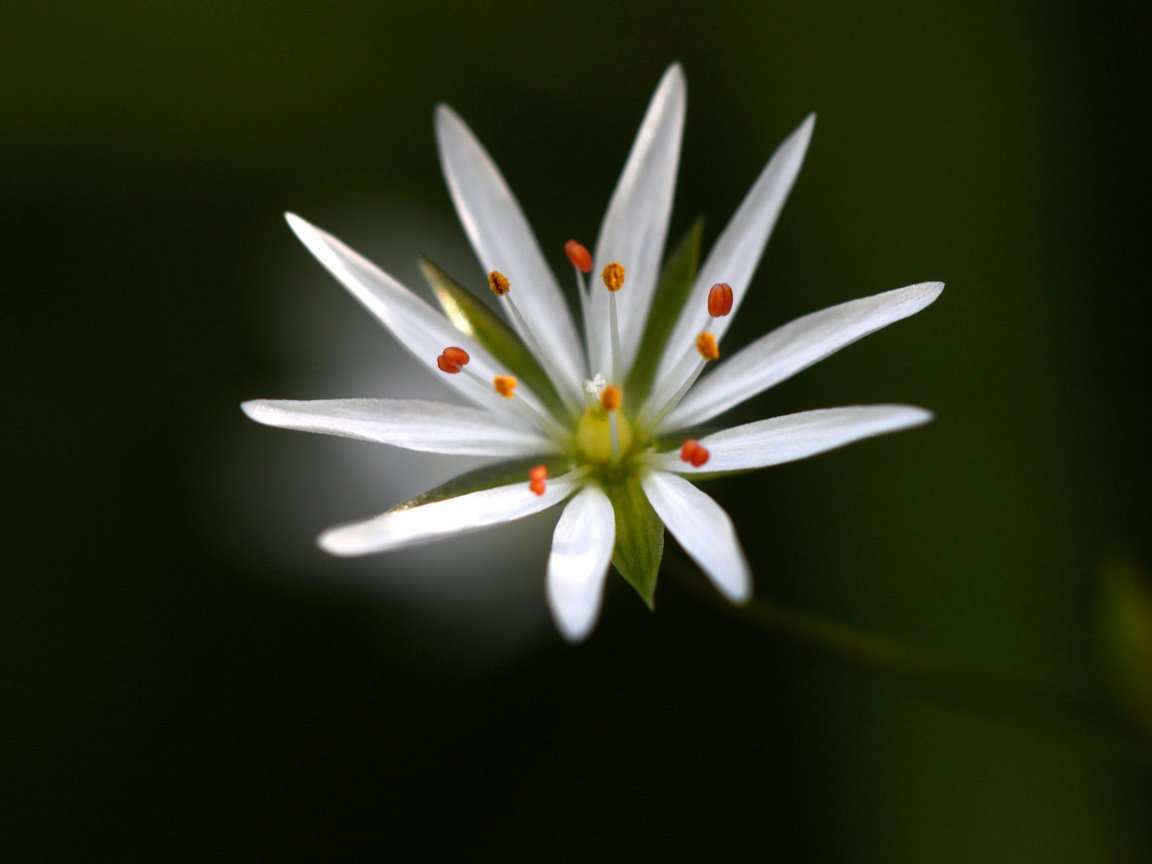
{"points": [[995, 697]]}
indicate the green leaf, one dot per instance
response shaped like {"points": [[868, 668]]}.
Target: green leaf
{"points": [[671, 293], [1125, 638], [639, 537], [469, 315], [486, 477]]}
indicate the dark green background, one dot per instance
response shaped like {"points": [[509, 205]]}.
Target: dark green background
{"points": [[178, 688]]}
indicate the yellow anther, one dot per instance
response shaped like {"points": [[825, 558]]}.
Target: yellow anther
{"points": [[505, 385], [706, 345], [610, 398], [499, 283], [613, 276]]}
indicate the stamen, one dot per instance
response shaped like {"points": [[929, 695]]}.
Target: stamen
{"points": [[709, 351], [610, 398], [501, 287], [707, 347], [498, 283], [537, 477], [453, 360], [580, 257], [720, 300], [692, 453], [505, 385], [581, 260], [613, 276]]}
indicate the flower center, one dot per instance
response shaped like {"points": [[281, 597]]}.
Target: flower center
{"points": [[604, 434]]}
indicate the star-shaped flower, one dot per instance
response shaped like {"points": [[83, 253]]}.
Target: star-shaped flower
{"points": [[609, 425]]}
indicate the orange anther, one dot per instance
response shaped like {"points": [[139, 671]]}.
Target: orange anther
{"points": [[720, 300], [610, 398], [505, 385], [692, 453], [613, 276], [452, 360], [706, 345], [580, 257], [537, 475], [499, 283]]}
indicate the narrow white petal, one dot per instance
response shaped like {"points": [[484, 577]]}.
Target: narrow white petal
{"points": [[415, 424], [702, 527], [458, 515], [636, 223], [793, 347], [416, 325], [737, 252], [795, 436], [503, 240], [581, 550]]}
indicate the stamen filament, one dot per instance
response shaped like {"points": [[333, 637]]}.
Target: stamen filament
{"points": [[499, 284], [505, 385], [610, 400], [708, 350], [614, 326], [613, 276]]}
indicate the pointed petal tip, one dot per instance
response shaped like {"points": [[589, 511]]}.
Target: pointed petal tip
{"points": [[254, 408], [919, 416], [801, 136], [740, 595], [573, 631], [304, 230], [443, 114], [337, 541], [927, 293], [736, 587]]}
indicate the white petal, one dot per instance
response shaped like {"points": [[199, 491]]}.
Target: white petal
{"points": [[636, 223], [795, 436], [795, 346], [415, 424], [702, 527], [458, 515], [503, 240], [737, 252], [415, 324], [581, 549]]}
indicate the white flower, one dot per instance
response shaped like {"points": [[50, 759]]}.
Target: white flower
{"points": [[601, 424]]}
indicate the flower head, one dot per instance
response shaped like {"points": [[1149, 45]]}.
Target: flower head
{"points": [[605, 422]]}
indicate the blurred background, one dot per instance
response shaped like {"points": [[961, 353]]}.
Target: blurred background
{"points": [[187, 678]]}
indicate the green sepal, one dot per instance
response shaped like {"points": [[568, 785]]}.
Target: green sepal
{"points": [[487, 477], [639, 537], [671, 293], [469, 315]]}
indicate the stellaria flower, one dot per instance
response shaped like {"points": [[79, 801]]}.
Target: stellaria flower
{"points": [[609, 425]]}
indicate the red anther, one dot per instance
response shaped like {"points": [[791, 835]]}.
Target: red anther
{"points": [[580, 257], [452, 360], [720, 300], [537, 476], [692, 453]]}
